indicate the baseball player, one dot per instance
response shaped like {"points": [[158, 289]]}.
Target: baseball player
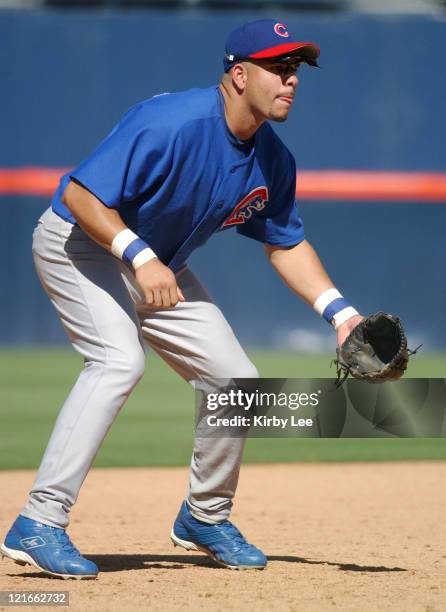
{"points": [[112, 252]]}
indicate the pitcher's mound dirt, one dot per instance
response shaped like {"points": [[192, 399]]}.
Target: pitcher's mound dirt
{"points": [[340, 536]]}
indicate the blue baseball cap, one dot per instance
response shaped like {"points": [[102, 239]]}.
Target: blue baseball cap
{"points": [[263, 39]]}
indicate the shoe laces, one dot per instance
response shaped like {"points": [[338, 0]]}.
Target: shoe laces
{"points": [[231, 530], [67, 545]]}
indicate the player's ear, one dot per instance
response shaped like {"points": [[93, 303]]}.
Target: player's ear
{"points": [[239, 76]]}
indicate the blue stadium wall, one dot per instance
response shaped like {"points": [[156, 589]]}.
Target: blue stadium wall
{"points": [[377, 103]]}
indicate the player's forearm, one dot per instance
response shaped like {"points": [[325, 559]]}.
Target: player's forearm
{"points": [[303, 272], [102, 224], [301, 269]]}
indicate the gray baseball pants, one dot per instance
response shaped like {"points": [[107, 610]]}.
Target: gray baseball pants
{"points": [[102, 310]]}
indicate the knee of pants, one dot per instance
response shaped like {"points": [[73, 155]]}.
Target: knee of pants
{"points": [[126, 365], [248, 370], [243, 368]]}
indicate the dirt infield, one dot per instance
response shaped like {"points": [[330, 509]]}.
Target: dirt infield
{"points": [[338, 536]]}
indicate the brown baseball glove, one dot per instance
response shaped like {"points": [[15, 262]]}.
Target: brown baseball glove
{"points": [[375, 351]]}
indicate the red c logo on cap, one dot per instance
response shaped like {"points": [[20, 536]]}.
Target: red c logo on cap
{"points": [[281, 30]]}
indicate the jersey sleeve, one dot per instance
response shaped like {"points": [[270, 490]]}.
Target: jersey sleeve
{"points": [[279, 223], [129, 162]]}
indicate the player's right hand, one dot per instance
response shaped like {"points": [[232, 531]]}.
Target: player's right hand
{"points": [[159, 284]]}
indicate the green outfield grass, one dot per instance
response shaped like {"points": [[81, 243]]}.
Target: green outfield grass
{"points": [[156, 425]]}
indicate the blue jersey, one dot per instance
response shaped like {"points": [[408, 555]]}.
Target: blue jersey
{"points": [[176, 174]]}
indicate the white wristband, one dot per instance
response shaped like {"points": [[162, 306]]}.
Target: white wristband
{"points": [[334, 307], [325, 299], [142, 257], [126, 245], [344, 315]]}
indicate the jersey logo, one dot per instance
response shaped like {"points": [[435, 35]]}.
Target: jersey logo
{"points": [[256, 200], [281, 30]]}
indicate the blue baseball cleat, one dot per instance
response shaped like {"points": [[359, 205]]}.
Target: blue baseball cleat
{"points": [[222, 542], [49, 549]]}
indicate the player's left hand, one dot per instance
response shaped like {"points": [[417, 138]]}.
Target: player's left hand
{"points": [[346, 328], [375, 350]]}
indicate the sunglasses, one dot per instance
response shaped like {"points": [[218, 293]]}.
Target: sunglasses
{"points": [[281, 65]]}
